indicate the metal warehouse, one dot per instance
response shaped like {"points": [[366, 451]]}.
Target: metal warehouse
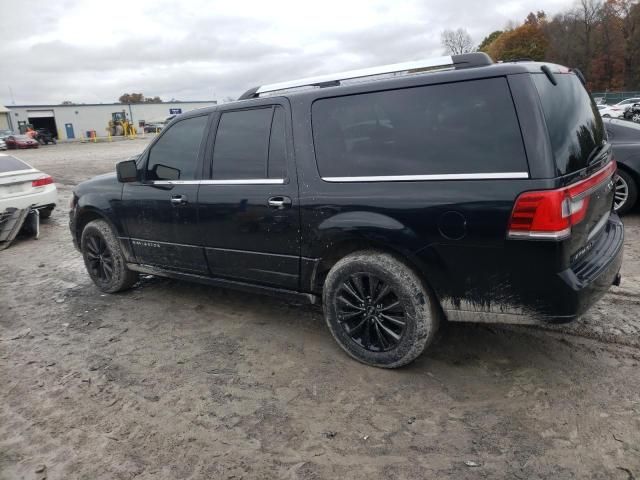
{"points": [[76, 121]]}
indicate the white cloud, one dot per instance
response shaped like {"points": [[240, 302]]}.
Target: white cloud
{"points": [[198, 49]]}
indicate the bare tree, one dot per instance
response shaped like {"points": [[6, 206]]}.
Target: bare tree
{"points": [[456, 42], [588, 15]]}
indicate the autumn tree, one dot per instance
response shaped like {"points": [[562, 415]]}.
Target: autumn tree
{"points": [[600, 37], [457, 42], [138, 98], [606, 70], [629, 12], [526, 41]]}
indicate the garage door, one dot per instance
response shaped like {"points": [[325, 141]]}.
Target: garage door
{"points": [[39, 113]]}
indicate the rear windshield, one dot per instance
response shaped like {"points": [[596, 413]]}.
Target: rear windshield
{"points": [[458, 128], [12, 164], [574, 124]]}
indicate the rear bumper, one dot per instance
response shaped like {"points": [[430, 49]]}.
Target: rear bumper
{"points": [[48, 195], [553, 297], [588, 280]]}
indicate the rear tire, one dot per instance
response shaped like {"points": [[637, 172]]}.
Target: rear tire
{"points": [[46, 213], [625, 185], [378, 310], [103, 258]]}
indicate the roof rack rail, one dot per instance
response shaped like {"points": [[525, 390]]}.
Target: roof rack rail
{"points": [[467, 60]]}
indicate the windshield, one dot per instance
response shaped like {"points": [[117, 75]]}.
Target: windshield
{"points": [[574, 124]]}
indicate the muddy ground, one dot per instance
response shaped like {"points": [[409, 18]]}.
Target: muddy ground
{"points": [[179, 381]]}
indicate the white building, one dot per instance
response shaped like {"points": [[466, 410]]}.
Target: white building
{"points": [[4, 118], [74, 121]]}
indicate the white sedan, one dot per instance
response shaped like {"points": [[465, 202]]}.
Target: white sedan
{"points": [[24, 187], [617, 110]]}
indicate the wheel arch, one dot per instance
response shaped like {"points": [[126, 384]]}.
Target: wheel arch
{"points": [[349, 246], [634, 174], [89, 214]]}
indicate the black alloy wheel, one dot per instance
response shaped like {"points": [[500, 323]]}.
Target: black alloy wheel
{"points": [[370, 312], [99, 258]]}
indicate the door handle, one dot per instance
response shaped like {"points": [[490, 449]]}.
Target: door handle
{"points": [[279, 202], [178, 199]]}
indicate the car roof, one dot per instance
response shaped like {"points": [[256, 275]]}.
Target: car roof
{"points": [[425, 77], [631, 130]]}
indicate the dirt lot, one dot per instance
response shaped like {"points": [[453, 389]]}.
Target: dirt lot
{"points": [[178, 381]]}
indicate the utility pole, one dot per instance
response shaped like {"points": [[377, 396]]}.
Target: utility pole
{"points": [[13, 101], [130, 115]]}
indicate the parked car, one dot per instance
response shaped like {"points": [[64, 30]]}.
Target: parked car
{"points": [[480, 192], [4, 133], [22, 186], [153, 127], [625, 139], [617, 110], [632, 113], [3, 145], [20, 141]]}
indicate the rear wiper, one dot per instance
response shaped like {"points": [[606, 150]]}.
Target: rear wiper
{"points": [[547, 71], [595, 154], [580, 76]]}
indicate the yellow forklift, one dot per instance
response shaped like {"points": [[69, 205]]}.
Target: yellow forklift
{"points": [[120, 125]]}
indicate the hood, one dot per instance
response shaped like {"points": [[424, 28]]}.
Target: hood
{"points": [[105, 180]]}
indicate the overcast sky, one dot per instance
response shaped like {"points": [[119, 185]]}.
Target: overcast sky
{"points": [[92, 52]]}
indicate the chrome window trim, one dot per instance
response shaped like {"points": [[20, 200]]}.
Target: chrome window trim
{"points": [[444, 176], [243, 181]]}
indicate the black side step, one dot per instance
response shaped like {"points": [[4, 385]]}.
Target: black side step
{"points": [[289, 295]]}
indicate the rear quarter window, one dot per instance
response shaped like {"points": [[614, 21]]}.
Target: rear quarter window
{"points": [[457, 128]]}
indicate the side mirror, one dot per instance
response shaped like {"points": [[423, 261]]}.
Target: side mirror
{"points": [[127, 171]]}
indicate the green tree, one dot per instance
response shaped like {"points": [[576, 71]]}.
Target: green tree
{"points": [[488, 40]]}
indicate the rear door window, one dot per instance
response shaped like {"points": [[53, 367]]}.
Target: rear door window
{"points": [[250, 144], [458, 128]]}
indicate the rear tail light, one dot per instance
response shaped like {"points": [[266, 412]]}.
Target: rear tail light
{"points": [[550, 214], [41, 182]]}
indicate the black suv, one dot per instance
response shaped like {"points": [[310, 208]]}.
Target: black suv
{"points": [[457, 189]]}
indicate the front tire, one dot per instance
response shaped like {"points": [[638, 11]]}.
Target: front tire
{"points": [[378, 309], [625, 193], [103, 258]]}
